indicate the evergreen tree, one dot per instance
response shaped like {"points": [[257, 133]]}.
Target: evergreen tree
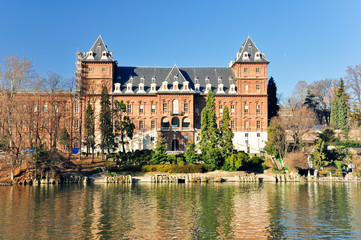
{"points": [[105, 119], [226, 143], [125, 127], [339, 107], [64, 139], [276, 139], [89, 130], [209, 134], [320, 154], [191, 154], [310, 100], [273, 106], [160, 152]]}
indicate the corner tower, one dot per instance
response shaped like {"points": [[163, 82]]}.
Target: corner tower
{"points": [[250, 71], [95, 68]]}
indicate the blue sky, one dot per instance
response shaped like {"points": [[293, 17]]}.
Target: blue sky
{"points": [[303, 40]]}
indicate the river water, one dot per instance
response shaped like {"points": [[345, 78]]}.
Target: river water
{"points": [[182, 211]]}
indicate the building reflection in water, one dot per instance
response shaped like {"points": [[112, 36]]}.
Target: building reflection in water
{"points": [[182, 211]]}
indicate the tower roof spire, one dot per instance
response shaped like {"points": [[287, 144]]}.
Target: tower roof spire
{"points": [[99, 52], [250, 53]]}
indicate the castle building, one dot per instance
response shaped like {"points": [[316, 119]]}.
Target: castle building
{"points": [[169, 100]]}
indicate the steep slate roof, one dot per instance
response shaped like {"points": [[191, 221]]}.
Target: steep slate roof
{"points": [[250, 47], [190, 74], [98, 48]]}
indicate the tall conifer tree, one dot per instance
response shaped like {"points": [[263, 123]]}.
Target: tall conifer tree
{"points": [[273, 106], [209, 143], [89, 128], [106, 124], [339, 107], [227, 134]]}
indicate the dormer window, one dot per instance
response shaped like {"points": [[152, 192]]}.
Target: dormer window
{"points": [[232, 88], [142, 79], [245, 55], [117, 87], [197, 86], [257, 56], [175, 78], [207, 80], [196, 80], [129, 88], [208, 87], [165, 86], [185, 85], [220, 88], [231, 80], [153, 79], [141, 87], [219, 80]]}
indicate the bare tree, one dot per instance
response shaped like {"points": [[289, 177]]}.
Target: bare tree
{"points": [[16, 76], [353, 79], [53, 102], [323, 91], [296, 125]]}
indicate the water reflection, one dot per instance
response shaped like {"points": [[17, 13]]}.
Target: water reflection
{"points": [[182, 211]]}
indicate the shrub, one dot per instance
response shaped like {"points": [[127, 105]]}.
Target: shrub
{"points": [[174, 168], [235, 161]]}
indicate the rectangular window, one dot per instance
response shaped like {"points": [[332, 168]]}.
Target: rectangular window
{"points": [[246, 125], [164, 107], [258, 108], [232, 124], [153, 108], [153, 124], [246, 135], [258, 70], [197, 109], [258, 124], [246, 70], [76, 109], [232, 108], [245, 108], [56, 108], [24, 106], [90, 69], [220, 108], [66, 108], [141, 108], [45, 108], [35, 108], [45, 123], [65, 124], [141, 125], [186, 107], [220, 123], [104, 69], [258, 135], [152, 139], [129, 108], [76, 124], [90, 87], [258, 87], [116, 124], [35, 124], [246, 88]]}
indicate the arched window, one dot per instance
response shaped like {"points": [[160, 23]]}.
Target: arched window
{"points": [[186, 122], [175, 122], [165, 122], [175, 106]]}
